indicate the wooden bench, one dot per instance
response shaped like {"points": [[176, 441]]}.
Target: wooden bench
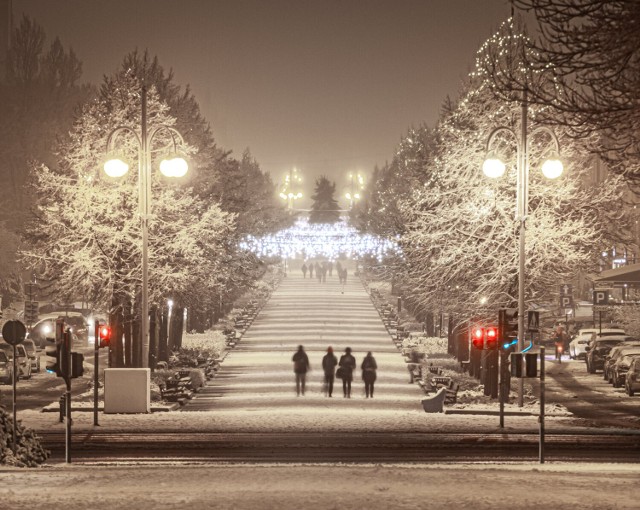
{"points": [[451, 394], [176, 390], [435, 370], [434, 404]]}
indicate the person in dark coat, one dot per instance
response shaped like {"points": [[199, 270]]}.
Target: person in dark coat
{"points": [[319, 272], [310, 269], [304, 270], [330, 265], [348, 365], [369, 367], [300, 368], [329, 363]]}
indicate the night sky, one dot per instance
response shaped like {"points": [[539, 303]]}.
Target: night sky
{"points": [[328, 86]]}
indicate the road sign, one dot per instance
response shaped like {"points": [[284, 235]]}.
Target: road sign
{"points": [[14, 332], [600, 297], [566, 289], [533, 321], [566, 302], [601, 308]]}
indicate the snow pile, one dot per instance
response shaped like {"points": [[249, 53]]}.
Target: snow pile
{"points": [[29, 451], [209, 344]]}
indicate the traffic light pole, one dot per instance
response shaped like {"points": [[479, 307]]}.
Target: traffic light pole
{"points": [[541, 418], [15, 376], [96, 360], [67, 399], [501, 384]]}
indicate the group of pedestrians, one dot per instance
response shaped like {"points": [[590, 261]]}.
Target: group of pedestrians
{"points": [[345, 368], [321, 269]]}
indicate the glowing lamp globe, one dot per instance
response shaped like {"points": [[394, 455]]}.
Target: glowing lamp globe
{"points": [[115, 168], [174, 167], [552, 168], [493, 167]]}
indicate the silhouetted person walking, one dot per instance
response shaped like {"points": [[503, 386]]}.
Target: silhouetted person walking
{"points": [[310, 269], [304, 270], [369, 367], [329, 362], [300, 368], [348, 365]]}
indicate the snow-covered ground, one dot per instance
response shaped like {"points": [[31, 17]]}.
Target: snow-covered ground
{"points": [[310, 487]]}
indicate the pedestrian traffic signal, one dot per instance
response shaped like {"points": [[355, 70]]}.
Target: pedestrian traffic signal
{"points": [[77, 365], [477, 338], [531, 364], [491, 337], [516, 364], [52, 351], [104, 335]]}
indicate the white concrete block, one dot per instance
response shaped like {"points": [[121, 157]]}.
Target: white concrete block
{"points": [[126, 390]]}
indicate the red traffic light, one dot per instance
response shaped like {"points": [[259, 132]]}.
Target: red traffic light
{"points": [[492, 338], [477, 338], [104, 335]]}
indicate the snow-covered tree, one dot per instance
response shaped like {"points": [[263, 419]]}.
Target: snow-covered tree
{"points": [[590, 50], [461, 241], [325, 207], [86, 235]]}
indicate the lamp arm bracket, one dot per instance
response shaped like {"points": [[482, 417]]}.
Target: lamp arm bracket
{"points": [[550, 132], [176, 137], [500, 129], [113, 135]]}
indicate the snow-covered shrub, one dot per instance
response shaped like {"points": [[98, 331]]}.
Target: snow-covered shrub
{"points": [[29, 451], [431, 347], [209, 344], [628, 317], [197, 378]]}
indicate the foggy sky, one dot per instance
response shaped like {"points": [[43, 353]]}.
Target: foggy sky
{"points": [[328, 86]]}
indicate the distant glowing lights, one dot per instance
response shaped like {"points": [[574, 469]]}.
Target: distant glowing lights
{"points": [[311, 240]]}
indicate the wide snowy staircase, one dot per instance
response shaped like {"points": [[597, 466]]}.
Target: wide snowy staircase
{"points": [[258, 372]]}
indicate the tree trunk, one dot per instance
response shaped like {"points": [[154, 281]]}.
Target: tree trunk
{"points": [[430, 325], [116, 350], [128, 348], [154, 333], [175, 328], [163, 337], [136, 341]]}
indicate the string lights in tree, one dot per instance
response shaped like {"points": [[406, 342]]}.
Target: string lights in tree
{"points": [[320, 240]]}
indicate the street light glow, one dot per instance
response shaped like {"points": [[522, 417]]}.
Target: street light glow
{"points": [[115, 168], [174, 167], [493, 167], [552, 168]]}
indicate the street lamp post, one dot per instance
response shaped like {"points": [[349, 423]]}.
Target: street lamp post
{"points": [[356, 183], [288, 193], [493, 167], [174, 167]]}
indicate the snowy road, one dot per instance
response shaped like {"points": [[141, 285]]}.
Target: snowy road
{"points": [[310, 487]]}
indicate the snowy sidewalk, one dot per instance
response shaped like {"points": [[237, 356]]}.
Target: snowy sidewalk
{"points": [[258, 373]]}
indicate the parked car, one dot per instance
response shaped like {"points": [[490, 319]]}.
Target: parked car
{"points": [[42, 329], [632, 380], [6, 368], [599, 348], [621, 367], [32, 352], [24, 363], [46, 327], [586, 335], [614, 355]]}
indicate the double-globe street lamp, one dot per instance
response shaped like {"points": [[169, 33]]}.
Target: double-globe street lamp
{"points": [[292, 182], [494, 168], [356, 185], [173, 166]]}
